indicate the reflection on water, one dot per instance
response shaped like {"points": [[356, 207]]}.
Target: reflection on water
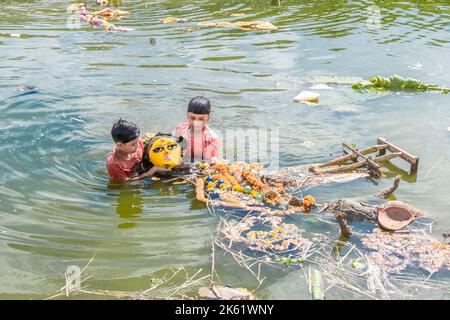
{"points": [[57, 207], [129, 205]]}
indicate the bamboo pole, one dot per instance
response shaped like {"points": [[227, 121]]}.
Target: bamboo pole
{"points": [[358, 165], [316, 285], [368, 160], [351, 156], [413, 160]]}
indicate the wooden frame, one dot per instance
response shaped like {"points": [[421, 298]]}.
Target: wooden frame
{"points": [[352, 154]]}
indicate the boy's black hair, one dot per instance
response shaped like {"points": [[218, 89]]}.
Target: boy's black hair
{"points": [[124, 131], [199, 105]]}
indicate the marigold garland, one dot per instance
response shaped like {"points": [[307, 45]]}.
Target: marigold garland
{"points": [[250, 177], [200, 190]]}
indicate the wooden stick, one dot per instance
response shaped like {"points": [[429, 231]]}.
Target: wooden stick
{"points": [[345, 230], [368, 160], [389, 191], [351, 156], [413, 160], [357, 165]]}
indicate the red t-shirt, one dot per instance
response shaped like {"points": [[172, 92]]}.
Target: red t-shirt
{"points": [[120, 167]]}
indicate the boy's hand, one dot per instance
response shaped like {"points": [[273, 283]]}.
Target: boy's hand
{"points": [[182, 166], [155, 170]]}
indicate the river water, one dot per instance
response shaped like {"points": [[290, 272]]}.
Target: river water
{"points": [[57, 207]]}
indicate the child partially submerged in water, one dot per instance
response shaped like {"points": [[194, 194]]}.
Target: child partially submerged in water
{"points": [[125, 160], [202, 142]]}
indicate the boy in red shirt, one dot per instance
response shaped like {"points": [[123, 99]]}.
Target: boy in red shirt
{"points": [[202, 142], [124, 161]]}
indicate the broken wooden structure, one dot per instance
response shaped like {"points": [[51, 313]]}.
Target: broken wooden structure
{"points": [[354, 159]]}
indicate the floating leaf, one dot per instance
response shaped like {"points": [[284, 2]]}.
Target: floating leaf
{"points": [[245, 25], [172, 20], [396, 82]]}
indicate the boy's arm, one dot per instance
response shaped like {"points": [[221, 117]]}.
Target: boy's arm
{"points": [[212, 150], [117, 174], [151, 172]]}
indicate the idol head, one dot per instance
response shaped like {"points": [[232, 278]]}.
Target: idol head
{"points": [[165, 151]]}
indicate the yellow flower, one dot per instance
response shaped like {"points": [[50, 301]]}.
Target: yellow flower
{"points": [[308, 200], [251, 235], [281, 230], [253, 193]]}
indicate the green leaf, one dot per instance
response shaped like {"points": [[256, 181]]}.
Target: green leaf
{"points": [[396, 83]]}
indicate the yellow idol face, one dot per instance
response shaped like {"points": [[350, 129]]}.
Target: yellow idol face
{"points": [[165, 152]]}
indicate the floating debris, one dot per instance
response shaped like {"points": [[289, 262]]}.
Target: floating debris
{"points": [[99, 19], [308, 144], [241, 14], [240, 185], [225, 293], [357, 264], [172, 20], [395, 252], [307, 97], [317, 285], [110, 14], [267, 234], [26, 90], [396, 82], [394, 218], [252, 25], [15, 35], [321, 86]]}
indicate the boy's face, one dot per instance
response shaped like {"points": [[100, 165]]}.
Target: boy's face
{"points": [[198, 121], [129, 147]]}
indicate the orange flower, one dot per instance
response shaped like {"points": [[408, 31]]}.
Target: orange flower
{"points": [[308, 201], [200, 190], [253, 180]]}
